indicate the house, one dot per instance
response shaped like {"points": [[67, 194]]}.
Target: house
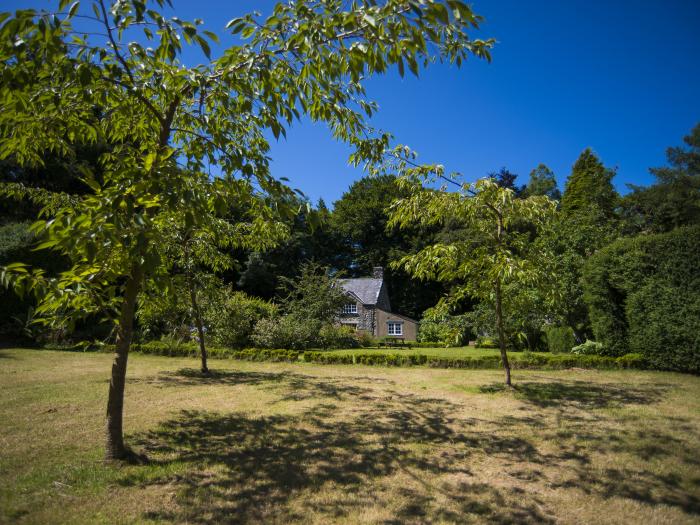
{"points": [[369, 308]]}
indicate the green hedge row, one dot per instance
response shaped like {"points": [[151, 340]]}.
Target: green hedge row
{"points": [[517, 361], [524, 361]]}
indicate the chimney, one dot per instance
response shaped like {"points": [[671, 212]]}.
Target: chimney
{"points": [[378, 272]]}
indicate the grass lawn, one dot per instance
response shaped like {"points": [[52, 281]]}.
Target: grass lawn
{"points": [[301, 443]]}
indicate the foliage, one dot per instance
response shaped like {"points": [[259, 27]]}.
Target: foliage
{"points": [[542, 182], [560, 339], [314, 295], [287, 331], [589, 348], [360, 217], [484, 341], [437, 326], [115, 76], [495, 254], [674, 200], [589, 187], [644, 296], [526, 360], [231, 317]]}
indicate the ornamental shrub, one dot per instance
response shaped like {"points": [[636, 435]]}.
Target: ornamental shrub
{"points": [[485, 342], [643, 295], [560, 339], [588, 348]]}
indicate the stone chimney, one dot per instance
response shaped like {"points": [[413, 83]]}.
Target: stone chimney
{"points": [[378, 272]]}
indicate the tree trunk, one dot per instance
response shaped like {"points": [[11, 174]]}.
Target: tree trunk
{"points": [[501, 332], [115, 402], [199, 323]]}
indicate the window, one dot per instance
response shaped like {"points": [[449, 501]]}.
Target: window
{"points": [[394, 328], [350, 308]]}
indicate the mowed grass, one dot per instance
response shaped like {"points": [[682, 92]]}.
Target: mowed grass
{"points": [[300, 443]]}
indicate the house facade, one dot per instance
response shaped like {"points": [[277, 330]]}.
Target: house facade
{"points": [[369, 309]]}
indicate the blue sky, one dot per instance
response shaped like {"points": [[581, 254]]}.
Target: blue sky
{"points": [[618, 76]]}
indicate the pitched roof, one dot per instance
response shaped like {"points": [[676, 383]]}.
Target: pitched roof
{"points": [[366, 289]]}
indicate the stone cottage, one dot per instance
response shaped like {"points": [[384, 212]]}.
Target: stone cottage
{"points": [[369, 308]]}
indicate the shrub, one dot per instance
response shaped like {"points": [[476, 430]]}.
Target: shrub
{"points": [[232, 319], [446, 330], [331, 336], [365, 339], [588, 348], [560, 339], [485, 342], [287, 331], [643, 295]]}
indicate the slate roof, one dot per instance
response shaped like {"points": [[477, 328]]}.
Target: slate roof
{"points": [[366, 289]]}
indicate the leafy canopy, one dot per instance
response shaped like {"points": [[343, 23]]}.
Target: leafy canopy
{"points": [[111, 75]]}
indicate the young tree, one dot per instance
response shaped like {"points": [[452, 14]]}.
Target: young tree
{"points": [[494, 257], [71, 75]]}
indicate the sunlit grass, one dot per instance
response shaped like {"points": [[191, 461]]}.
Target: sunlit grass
{"points": [[301, 443]]}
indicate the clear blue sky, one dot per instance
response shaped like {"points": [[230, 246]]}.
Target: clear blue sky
{"points": [[619, 76]]}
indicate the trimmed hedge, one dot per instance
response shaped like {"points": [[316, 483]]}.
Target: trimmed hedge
{"points": [[524, 361], [517, 361], [643, 296]]}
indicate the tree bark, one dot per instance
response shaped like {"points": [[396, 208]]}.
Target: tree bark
{"points": [[501, 332], [115, 448], [200, 324]]}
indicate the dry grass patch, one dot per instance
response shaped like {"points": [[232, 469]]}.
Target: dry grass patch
{"points": [[299, 443]]}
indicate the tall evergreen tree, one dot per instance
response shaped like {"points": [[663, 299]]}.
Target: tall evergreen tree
{"points": [[589, 187]]}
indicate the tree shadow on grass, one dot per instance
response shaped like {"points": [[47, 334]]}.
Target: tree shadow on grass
{"points": [[580, 394], [360, 449], [259, 469]]}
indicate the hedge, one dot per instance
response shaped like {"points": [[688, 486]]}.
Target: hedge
{"points": [[643, 295], [524, 361], [517, 361]]}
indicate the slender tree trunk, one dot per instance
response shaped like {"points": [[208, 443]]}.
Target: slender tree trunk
{"points": [[501, 332], [199, 322], [115, 402]]}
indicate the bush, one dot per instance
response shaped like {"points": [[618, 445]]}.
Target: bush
{"points": [[643, 295], [287, 331], [443, 329], [331, 336], [485, 342], [588, 348], [560, 339], [232, 319]]}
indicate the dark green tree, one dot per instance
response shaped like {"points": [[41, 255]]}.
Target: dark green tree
{"points": [[589, 186], [360, 218], [674, 200], [542, 182]]}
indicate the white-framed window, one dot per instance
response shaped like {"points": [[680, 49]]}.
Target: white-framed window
{"points": [[394, 328], [350, 308]]}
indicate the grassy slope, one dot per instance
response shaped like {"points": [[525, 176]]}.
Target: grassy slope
{"points": [[318, 444]]}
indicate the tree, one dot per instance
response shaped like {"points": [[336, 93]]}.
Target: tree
{"points": [[495, 255], [360, 218], [589, 186], [542, 182], [161, 115], [674, 200], [587, 221], [506, 179]]}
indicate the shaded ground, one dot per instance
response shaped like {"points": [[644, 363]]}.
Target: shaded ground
{"points": [[281, 443]]}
